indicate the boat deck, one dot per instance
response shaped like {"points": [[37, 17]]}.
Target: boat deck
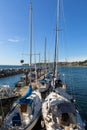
{"points": [[23, 90]]}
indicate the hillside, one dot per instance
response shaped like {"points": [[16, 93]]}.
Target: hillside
{"points": [[79, 63]]}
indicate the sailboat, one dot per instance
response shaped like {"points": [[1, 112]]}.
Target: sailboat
{"points": [[57, 82], [44, 83], [59, 113], [58, 109], [58, 85], [7, 94], [26, 111]]}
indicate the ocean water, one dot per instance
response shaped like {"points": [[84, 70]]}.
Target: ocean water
{"points": [[76, 80], [11, 66], [10, 80]]}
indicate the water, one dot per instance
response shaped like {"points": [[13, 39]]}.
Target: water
{"points": [[12, 66], [11, 80], [76, 79]]}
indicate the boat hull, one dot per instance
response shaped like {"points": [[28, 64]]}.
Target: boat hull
{"points": [[32, 125]]}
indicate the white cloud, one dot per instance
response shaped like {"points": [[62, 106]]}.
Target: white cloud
{"points": [[13, 40]]}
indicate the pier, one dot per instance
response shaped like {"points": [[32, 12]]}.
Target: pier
{"points": [[13, 71], [10, 72]]}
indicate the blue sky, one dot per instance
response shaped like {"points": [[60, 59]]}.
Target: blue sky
{"points": [[15, 26]]}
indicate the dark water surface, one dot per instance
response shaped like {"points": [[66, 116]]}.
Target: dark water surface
{"points": [[76, 79]]}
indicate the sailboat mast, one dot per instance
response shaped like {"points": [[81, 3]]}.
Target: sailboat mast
{"points": [[57, 22], [30, 33], [30, 38], [45, 53]]}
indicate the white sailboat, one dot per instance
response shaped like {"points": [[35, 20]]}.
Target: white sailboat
{"points": [[58, 110], [58, 85], [44, 83], [57, 82], [7, 94], [59, 113], [26, 111]]}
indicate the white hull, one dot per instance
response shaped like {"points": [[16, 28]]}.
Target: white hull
{"points": [[33, 123], [27, 114], [44, 88], [59, 113]]}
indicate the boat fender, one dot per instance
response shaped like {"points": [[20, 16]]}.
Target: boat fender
{"points": [[0, 120], [42, 124], [48, 119]]}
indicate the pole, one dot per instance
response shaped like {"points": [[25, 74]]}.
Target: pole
{"points": [[30, 33], [57, 38], [30, 38]]}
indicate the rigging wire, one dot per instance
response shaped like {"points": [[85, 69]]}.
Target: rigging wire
{"points": [[71, 81]]}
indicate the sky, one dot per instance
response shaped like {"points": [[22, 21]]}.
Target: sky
{"points": [[15, 30]]}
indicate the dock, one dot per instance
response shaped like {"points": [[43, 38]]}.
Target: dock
{"points": [[23, 90]]}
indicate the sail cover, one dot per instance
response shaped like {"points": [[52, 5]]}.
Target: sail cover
{"points": [[28, 92], [64, 108], [24, 98]]}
